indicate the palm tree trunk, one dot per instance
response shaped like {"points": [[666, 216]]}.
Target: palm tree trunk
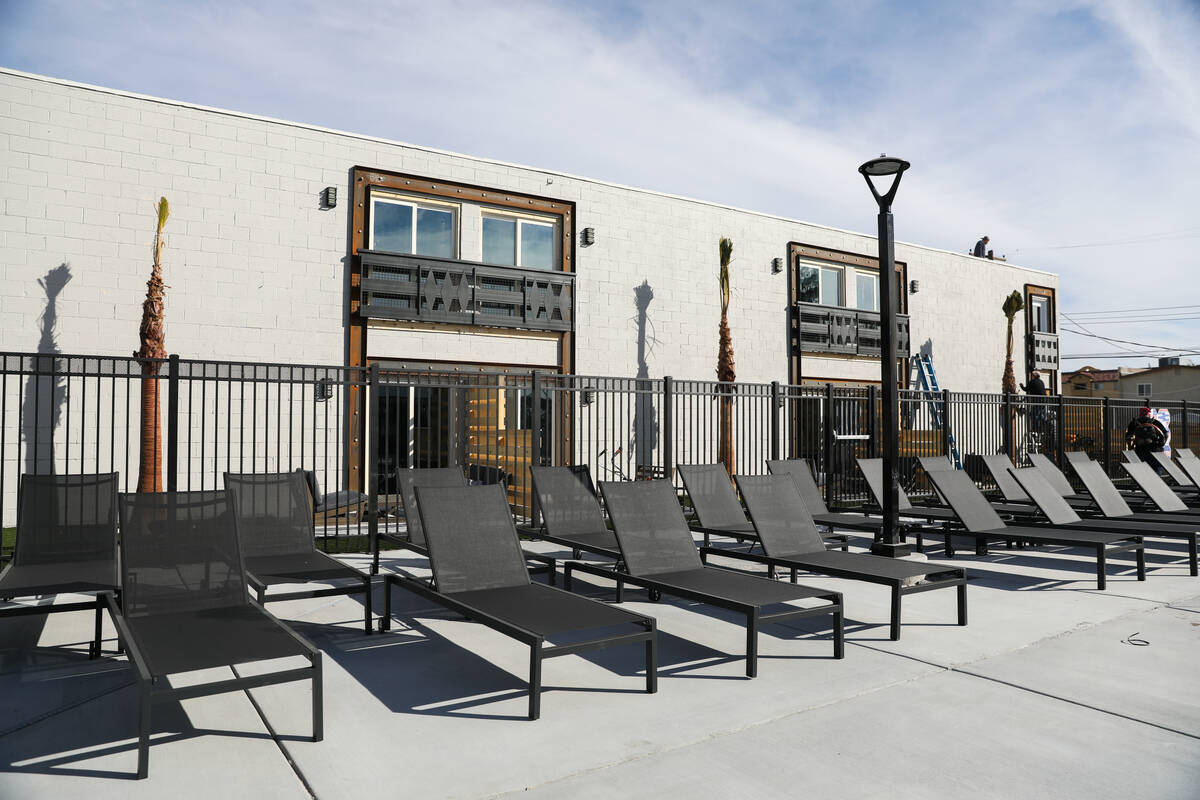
{"points": [[150, 462], [726, 375], [153, 349]]}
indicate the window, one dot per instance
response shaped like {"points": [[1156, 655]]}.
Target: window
{"points": [[1039, 313], [418, 227], [518, 241], [1144, 389], [1098, 385], [867, 284], [1080, 387], [821, 285]]}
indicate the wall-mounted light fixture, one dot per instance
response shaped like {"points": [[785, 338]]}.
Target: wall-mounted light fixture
{"points": [[589, 237], [587, 396], [323, 390], [329, 197], [776, 266], [914, 286]]}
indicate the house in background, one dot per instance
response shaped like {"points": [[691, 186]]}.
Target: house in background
{"points": [[1170, 381]]}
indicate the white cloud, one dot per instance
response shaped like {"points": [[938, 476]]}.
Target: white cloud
{"points": [[1042, 125]]}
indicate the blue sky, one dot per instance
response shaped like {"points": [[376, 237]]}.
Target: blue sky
{"points": [[1067, 131]]}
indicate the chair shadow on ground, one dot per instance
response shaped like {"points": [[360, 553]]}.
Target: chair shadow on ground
{"points": [[101, 724]]}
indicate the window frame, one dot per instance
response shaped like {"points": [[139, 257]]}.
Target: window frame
{"points": [[521, 220], [1149, 389], [415, 202]]}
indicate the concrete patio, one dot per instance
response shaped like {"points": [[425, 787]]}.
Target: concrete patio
{"points": [[1043, 694]]}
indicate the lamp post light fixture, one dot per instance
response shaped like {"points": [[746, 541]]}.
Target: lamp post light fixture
{"points": [[887, 542]]}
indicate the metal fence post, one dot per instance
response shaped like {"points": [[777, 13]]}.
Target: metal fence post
{"points": [[372, 461], [535, 440], [1006, 434], [1106, 432], [173, 423], [827, 448], [775, 405], [535, 427], [1060, 433], [668, 428], [872, 421], [1185, 425], [946, 423]]}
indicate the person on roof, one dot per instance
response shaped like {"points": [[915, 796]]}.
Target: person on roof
{"points": [[981, 247]]}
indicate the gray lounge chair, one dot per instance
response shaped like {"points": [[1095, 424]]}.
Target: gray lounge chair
{"points": [[1061, 516], [1156, 489], [1155, 524], [409, 481], [66, 543], [801, 474], [872, 470], [980, 520], [571, 515], [185, 606], [785, 532], [660, 555], [479, 571], [1181, 478], [275, 527]]}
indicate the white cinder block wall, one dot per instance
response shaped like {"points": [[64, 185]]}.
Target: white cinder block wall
{"points": [[257, 270]]}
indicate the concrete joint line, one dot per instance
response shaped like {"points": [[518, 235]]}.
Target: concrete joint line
{"points": [[278, 742], [1075, 703]]}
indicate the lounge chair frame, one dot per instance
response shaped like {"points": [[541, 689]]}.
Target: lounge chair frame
{"points": [[754, 614], [482, 497], [259, 580]]}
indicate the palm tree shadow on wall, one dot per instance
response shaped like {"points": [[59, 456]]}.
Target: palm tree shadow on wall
{"points": [[46, 387], [644, 437]]}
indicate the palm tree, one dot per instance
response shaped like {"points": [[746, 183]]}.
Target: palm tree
{"points": [[1012, 304], [725, 370], [1008, 384], [150, 355]]}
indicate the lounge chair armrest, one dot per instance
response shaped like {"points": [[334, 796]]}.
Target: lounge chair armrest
{"points": [[313, 652], [126, 636]]}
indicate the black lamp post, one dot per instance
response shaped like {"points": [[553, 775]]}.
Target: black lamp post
{"points": [[887, 543]]}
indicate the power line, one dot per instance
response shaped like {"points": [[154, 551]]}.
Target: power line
{"points": [[1180, 350], [1130, 320], [1145, 239], [1129, 310]]}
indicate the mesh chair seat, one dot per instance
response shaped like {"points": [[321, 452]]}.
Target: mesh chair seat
{"points": [[542, 609], [864, 565], [570, 509], [298, 568], [71, 576], [737, 587], [216, 637], [1066, 536]]}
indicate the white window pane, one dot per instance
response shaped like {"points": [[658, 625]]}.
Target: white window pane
{"points": [[537, 246], [500, 241], [435, 232], [867, 292], [831, 287], [391, 227], [810, 285]]}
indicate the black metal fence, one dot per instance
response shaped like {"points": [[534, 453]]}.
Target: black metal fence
{"points": [[355, 428]]}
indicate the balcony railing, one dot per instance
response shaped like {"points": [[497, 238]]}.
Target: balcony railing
{"points": [[428, 289], [826, 329], [1042, 350]]}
